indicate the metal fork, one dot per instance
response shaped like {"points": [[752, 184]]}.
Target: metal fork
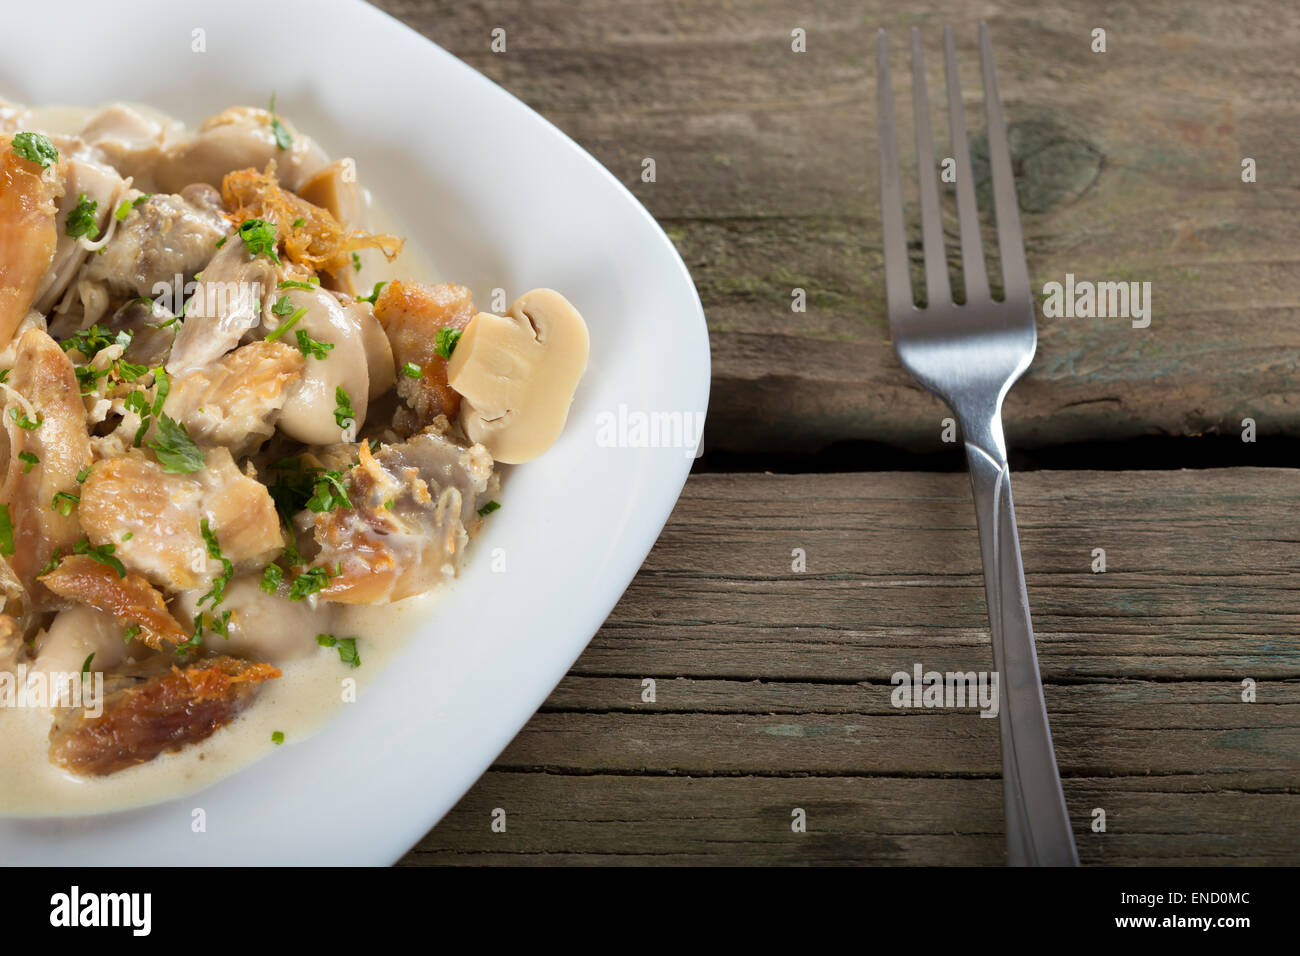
{"points": [[970, 355]]}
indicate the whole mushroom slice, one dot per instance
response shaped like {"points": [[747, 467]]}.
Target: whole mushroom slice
{"points": [[517, 374]]}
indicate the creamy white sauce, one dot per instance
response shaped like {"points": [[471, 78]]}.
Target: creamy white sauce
{"points": [[307, 695], [297, 704]]}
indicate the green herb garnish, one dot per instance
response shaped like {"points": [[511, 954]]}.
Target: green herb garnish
{"points": [[35, 148], [175, 449], [81, 219], [444, 341]]}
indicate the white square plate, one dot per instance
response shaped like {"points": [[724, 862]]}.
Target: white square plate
{"points": [[496, 197]]}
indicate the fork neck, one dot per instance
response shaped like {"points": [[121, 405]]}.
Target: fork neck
{"points": [[982, 429]]}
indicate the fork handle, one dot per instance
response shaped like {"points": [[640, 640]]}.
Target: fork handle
{"points": [[1038, 825]]}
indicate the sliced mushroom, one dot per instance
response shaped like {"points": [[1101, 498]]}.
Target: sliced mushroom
{"points": [[517, 374], [312, 399], [237, 138]]}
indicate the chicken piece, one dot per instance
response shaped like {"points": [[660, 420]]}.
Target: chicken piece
{"points": [[98, 184], [45, 418], [28, 235], [237, 138], [411, 314], [235, 295], [130, 598], [163, 514], [153, 709], [165, 236], [412, 504], [236, 401], [312, 400]]}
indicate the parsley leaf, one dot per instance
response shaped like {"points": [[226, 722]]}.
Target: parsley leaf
{"points": [[309, 582], [344, 416], [487, 509], [218, 591], [330, 493], [103, 554], [259, 238], [286, 324], [309, 346], [374, 294], [35, 148], [282, 137], [23, 421], [28, 460], [6, 532], [444, 342], [271, 578], [346, 646], [411, 370], [81, 219], [175, 449]]}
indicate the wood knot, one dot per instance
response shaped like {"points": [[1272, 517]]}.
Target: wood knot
{"points": [[1053, 166]]}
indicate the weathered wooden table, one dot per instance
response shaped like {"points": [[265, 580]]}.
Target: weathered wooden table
{"points": [[772, 684]]}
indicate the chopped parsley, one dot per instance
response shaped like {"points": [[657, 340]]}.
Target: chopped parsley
{"points": [[329, 493], [282, 137], [64, 502], [287, 324], [277, 737], [103, 554], [344, 416], [85, 665], [271, 578], [411, 370], [283, 306], [6, 532], [175, 449], [374, 294], [356, 262], [127, 205], [309, 582], [309, 286], [488, 508], [81, 219], [23, 421], [4, 375], [90, 342], [130, 634], [346, 646], [128, 371], [28, 460], [35, 148], [218, 591], [259, 238], [309, 346], [444, 342]]}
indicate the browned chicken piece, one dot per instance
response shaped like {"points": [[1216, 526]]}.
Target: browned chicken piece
{"points": [[155, 711], [131, 599], [406, 529], [411, 314], [235, 401], [28, 236], [163, 513], [50, 425]]}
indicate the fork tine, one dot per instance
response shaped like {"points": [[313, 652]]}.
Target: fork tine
{"points": [[898, 283], [937, 291], [1015, 275], [968, 220]]}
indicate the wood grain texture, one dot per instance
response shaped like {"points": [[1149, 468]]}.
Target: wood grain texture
{"points": [[773, 685], [1128, 164]]}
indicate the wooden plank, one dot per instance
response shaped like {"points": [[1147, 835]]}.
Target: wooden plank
{"points": [[772, 686], [1129, 162]]}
